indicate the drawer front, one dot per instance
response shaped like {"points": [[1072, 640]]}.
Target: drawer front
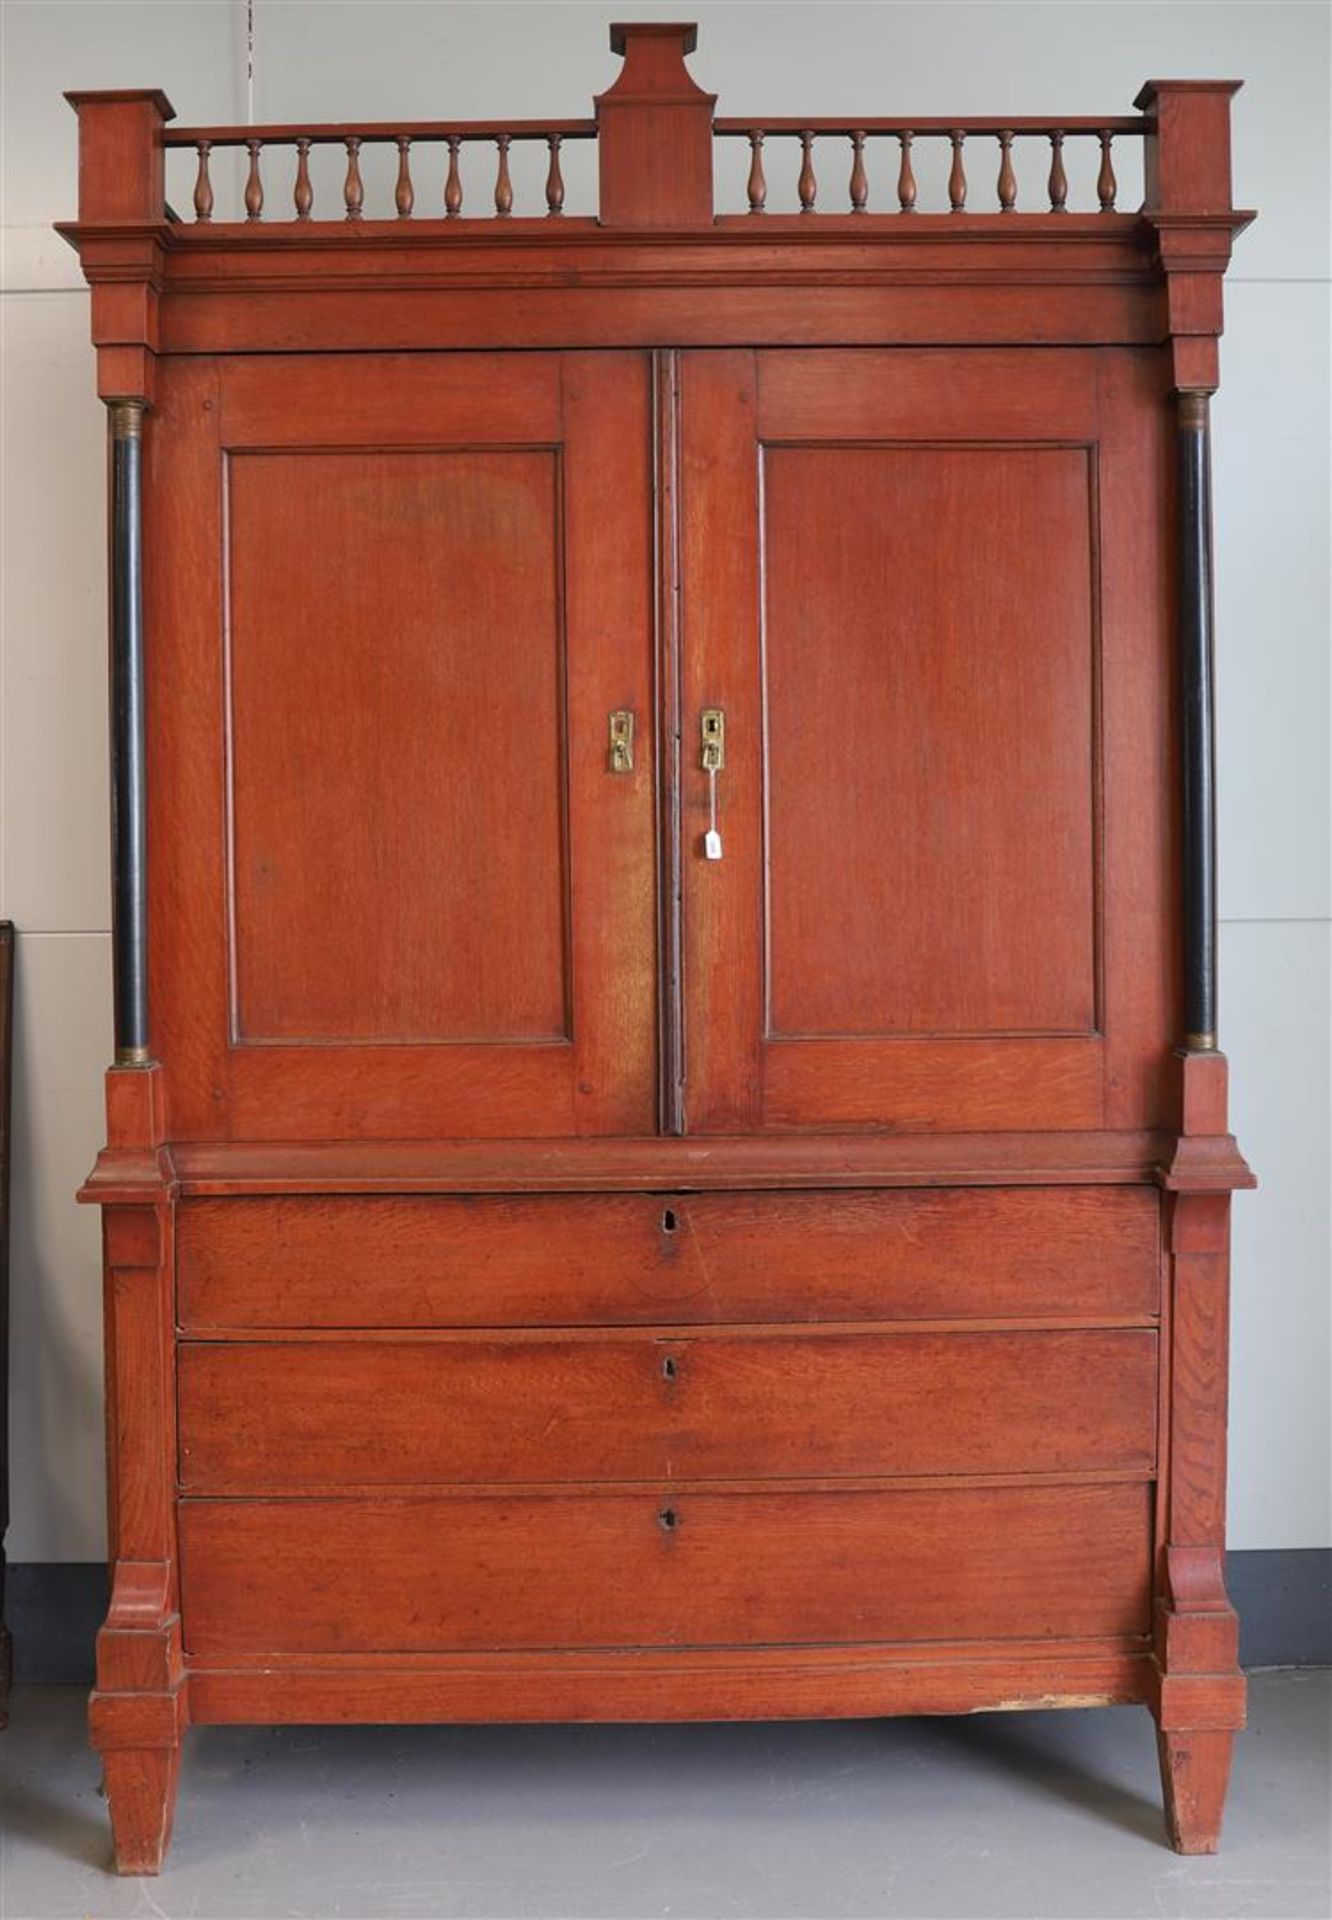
{"points": [[460, 1573], [333, 1413], [633, 1258]]}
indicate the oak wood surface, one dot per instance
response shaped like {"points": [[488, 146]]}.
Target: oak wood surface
{"points": [[559, 1260], [283, 1416], [444, 748], [612, 1569], [772, 1161], [365, 798], [865, 904], [1195, 1772], [984, 778], [478, 1095], [748, 1684]]}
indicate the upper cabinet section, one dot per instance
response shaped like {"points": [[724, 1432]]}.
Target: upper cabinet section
{"points": [[466, 469], [1113, 228]]}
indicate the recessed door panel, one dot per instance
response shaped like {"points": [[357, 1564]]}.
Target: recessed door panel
{"points": [[928, 671], [406, 893], [396, 746]]}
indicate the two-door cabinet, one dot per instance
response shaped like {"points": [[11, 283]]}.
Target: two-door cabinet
{"points": [[667, 1154]]}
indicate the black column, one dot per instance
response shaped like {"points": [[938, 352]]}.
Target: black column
{"points": [[1198, 744], [129, 839]]}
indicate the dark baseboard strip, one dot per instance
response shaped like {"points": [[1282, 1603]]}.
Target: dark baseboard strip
{"points": [[53, 1609], [1284, 1597]]}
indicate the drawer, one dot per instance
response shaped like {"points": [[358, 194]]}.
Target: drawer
{"points": [[477, 1572], [634, 1258], [286, 1415]]}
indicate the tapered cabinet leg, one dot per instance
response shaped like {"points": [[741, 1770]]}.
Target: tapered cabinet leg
{"points": [[141, 1791], [1195, 1772]]}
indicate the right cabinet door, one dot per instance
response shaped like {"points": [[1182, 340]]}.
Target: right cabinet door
{"points": [[928, 591]]}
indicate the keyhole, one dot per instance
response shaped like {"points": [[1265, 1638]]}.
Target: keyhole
{"points": [[669, 1519], [669, 1368], [668, 1220]]}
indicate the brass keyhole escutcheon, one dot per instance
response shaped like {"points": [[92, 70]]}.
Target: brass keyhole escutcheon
{"points": [[622, 741]]}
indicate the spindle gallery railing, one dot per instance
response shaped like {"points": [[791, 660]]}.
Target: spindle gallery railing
{"points": [[278, 182], [901, 137], [446, 193]]}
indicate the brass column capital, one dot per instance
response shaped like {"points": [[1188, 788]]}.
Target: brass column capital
{"points": [[126, 418]]}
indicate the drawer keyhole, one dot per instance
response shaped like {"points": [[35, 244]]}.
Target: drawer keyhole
{"points": [[670, 1368], [669, 1221], [668, 1519]]}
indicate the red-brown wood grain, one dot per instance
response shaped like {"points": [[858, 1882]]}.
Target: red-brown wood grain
{"points": [[611, 1283], [669, 1568], [371, 781], [904, 408], [975, 911], [281, 1416], [701, 1163], [721, 900], [654, 128], [1195, 1772], [562, 1260], [391, 975], [753, 1683]]}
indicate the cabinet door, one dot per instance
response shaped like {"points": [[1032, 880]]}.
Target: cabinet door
{"points": [[398, 889], [926, 589]]}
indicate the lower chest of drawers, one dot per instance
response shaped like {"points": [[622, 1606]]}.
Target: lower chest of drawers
{"points": [[449, 1425]]}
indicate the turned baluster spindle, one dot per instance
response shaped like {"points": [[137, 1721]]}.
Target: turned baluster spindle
{"points": [[757, 185], [353, 188], [1106, 184], [1007, 177], [203, 186], [254, 186], [404, 194], [859, 177], [906, 179], [807, 186], [1058, 178], [303, 192], [957, 173], [554, 178], [453, 193], [503, 184]]}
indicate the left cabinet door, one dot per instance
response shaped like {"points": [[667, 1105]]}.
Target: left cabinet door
{"points": [[398, 887]]}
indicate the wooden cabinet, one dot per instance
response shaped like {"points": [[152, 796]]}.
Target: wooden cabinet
{"points": [[667, 1156]]}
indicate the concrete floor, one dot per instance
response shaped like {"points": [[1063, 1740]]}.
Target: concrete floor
{"points": [[1028, 1814]]}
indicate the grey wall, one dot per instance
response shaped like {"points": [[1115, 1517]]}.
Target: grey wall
{"points": [[371, 61]]}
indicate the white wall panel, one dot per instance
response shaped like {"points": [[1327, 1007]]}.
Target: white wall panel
{"points": [[62, 1031], [1276, 988]]}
